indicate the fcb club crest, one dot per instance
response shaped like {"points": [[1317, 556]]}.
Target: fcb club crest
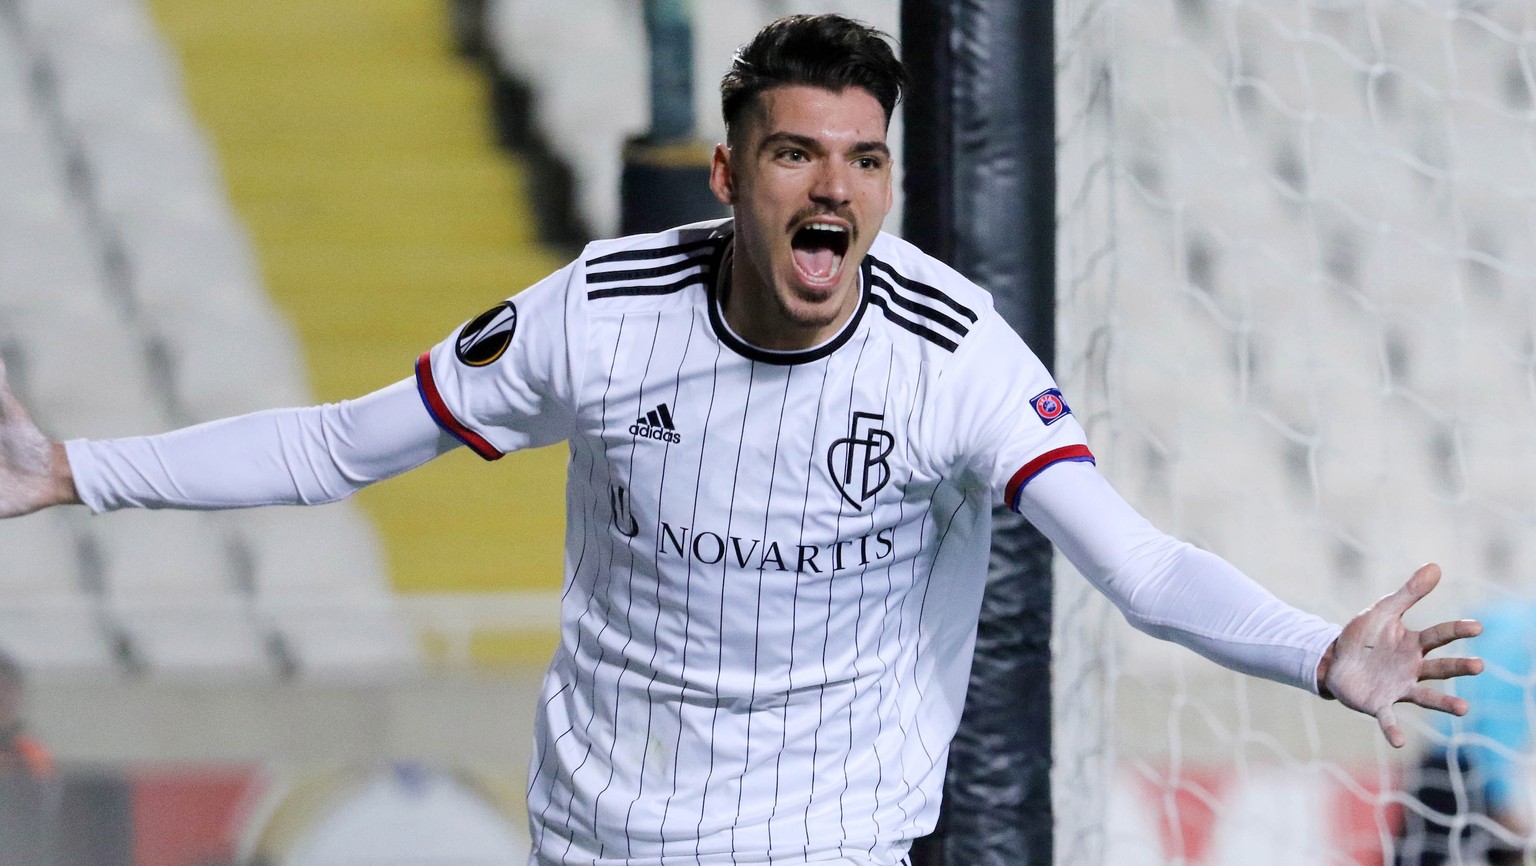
{"points": [[487, 336], [858, 461], [1050, 406]]}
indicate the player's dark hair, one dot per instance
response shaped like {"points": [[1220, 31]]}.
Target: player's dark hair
{"points": [[827, 51]]}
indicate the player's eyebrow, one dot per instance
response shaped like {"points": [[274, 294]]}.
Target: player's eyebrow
{"points": [[864, 148], [806, 142]]}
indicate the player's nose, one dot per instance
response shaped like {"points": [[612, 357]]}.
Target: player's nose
{"points": [[832, 184]]}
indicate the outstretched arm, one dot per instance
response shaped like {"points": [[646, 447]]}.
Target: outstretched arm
{"points": [[1175, 591], [34, 472], [1378, 662], [283, 456]]}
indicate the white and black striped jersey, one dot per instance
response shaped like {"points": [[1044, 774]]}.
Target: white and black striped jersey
{"points": [[774, 560]]}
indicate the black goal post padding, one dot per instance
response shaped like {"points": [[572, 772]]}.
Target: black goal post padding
{"points": [[980, 195]]}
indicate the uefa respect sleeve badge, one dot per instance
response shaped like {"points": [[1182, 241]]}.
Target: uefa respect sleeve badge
{"points": [[1050, 406]]}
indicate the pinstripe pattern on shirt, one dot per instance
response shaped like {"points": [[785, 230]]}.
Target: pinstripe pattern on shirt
{"points": [[763, 656]]}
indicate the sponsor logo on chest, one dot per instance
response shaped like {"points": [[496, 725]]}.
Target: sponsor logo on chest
{"points": [[656, 425], [712, 548]]}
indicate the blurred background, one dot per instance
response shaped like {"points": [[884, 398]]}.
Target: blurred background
{"points": [[1295, 277]]}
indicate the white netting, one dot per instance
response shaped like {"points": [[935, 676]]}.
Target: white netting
{"points": [[1297, 275]]}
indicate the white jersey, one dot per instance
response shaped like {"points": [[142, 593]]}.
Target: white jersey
{"points": [[774, 560]]}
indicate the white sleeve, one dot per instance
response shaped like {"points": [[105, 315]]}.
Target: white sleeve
{"points": [[1171, 589], [280, 457], [998, 416], [506, 379]]}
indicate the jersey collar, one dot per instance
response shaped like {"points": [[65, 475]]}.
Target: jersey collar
{"points": [[776, 356]]}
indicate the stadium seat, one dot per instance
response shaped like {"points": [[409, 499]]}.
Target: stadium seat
{"points": [[310, 554], [39, 15], [60, 636], [585, 109], [163, 555], [40, 560], [86, 377], [207, 637], [344, 640], [113, 80], [226, 365], [32, 175], [16, 109], [62, 26], [316, 574], [193, 258], [152, 165], [50, 270]]}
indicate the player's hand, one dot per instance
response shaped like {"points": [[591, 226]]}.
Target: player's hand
{"points": [[1377, 661], [34, 472]]}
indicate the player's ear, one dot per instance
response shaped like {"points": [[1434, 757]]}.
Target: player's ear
{"points": [[721, 182]]}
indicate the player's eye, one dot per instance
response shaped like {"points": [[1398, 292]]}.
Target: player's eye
{"points": [[869, 163], [793, 155]]}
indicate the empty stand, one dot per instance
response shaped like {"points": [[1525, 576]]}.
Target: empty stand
{"points": [[129, 301]]}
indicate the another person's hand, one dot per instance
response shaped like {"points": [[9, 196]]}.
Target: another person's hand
{"points": [[1378, 662], [34, 472]]}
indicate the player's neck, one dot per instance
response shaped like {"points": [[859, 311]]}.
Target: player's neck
{"points": [[755, 314]]}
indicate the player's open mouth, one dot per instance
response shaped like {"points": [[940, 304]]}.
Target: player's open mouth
{"points": [[818, 249]]}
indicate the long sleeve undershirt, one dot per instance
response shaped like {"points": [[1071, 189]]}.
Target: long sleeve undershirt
{"points": [[304, 456], [1163, 586]]}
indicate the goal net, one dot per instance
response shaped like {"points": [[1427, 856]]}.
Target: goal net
{"points": [[1296, 283]]}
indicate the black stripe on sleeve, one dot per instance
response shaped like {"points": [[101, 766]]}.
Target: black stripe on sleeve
{"points": [[647, 273], [924, 289], [698, 279], [656, 253], [880, 301], [919, 309]]}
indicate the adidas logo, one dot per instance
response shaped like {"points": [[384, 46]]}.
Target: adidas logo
{"points": [[656, 424]]}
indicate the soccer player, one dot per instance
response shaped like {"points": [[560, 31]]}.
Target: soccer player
{"points": [[787, 432]]}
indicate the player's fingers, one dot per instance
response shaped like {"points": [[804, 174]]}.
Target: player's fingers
{"points": [[1432, 699], [1443, 669], [1437, 636], [1416, 588], [1388, 721]]}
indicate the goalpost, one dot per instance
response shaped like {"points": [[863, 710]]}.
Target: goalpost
{"points": [[1296, 276]]}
